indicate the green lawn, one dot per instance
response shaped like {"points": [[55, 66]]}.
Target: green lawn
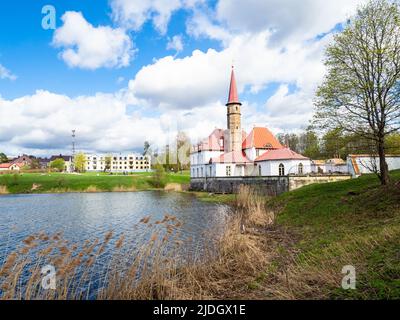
{"points": [[354, 222], [58, 182]]}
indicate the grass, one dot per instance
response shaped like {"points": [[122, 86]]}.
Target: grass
{"points": [[88, 182], [354, 222]]}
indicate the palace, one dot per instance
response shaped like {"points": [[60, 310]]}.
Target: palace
{"points": [[232, 152]]}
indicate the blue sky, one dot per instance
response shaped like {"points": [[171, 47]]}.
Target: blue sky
{"points": [[26, 49], [124, 71]]}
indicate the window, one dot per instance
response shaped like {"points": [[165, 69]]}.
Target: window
{"points": [[259, 170], [300, 169], [228, 171], [202, 173], [210, 171], [257, 152], [281, 170], [197, 172]]}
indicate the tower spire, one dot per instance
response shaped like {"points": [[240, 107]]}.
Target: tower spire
{"points": [[233, 97]]}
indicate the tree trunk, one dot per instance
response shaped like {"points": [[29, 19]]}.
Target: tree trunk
{"points": [[383, 167]]}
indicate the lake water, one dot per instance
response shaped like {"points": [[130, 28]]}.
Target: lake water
{"points": [[86, 216]]}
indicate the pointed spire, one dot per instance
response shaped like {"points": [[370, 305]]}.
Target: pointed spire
{"points": [[233, 95]]}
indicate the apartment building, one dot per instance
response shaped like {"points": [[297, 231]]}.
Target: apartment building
{"points": [[118, 163]]}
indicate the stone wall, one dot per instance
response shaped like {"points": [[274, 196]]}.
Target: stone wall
{"points": [[296, 182], [270, 186]]}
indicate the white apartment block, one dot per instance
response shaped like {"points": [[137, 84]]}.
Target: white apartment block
{"points": [[120, 163]]}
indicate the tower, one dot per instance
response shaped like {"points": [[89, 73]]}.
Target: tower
{"points": [[233, 138]]}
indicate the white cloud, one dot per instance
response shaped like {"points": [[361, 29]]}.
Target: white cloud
{"points": [[289, 20], [266, 40], [133, 14], [42, 124], [88, 47], [6, 74], [203, 77], [176, 43]]}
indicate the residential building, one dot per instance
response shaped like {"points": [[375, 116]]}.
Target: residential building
{"points": [[120, 163], [10, 166]]}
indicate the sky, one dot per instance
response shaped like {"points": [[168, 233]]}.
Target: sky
{"points": [[121, 72]]}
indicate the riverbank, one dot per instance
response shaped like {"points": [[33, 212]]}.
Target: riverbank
{"points": [[30, 183], [293, 246]]}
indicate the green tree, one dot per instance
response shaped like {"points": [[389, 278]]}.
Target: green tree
{"points": [[58, 164], [159, 176], [35, 164], [107, 163], [334, 143], [393, 143], [80, 162], [360, 94], [311, 144], [3, 158]]}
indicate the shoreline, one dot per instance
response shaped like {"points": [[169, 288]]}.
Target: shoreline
{"points": [[202, 196]]}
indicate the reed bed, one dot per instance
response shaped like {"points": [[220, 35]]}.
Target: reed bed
{"points": [[160, 268]]}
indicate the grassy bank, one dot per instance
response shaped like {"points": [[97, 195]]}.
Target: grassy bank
{"points": [[89, 182], [354, 222]]}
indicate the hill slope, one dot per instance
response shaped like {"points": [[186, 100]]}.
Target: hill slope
{"points": [[354, 222]]}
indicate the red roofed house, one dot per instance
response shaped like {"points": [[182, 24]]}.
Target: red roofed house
{"points": [[232, 152], [10, 166]]}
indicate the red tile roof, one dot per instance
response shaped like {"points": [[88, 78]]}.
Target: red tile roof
{"points": [[232, 157], [8, 165], [261, 138], [280, 154], [233, 94], [213, 142]]}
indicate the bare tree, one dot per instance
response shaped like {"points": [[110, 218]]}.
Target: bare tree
{"points": [[360, 93]]}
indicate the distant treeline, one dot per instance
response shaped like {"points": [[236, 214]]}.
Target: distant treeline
{"points": [[334, 144]]}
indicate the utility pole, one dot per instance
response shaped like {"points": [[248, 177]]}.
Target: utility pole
{"points": [[73, 149]]}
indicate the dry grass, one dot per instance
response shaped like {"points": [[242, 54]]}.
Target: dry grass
{"points": [[3, 190], [92, 189], [173, 187], [124, 189], [157, 270]]}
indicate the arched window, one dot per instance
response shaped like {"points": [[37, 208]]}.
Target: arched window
{"points": [[301, 168], [281, 169]]}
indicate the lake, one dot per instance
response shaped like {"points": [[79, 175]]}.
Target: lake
{"points": [[87, 216]]}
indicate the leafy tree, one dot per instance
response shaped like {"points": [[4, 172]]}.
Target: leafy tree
{"points": [[360, 93], [35, 164], [80, 162], [57, 164], [159, 176], [393, 143], [311, 144], [334, 144], [3, 158], [107, 163]]}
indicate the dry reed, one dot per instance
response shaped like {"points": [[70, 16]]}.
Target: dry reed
{"points": [[158, 269]]}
